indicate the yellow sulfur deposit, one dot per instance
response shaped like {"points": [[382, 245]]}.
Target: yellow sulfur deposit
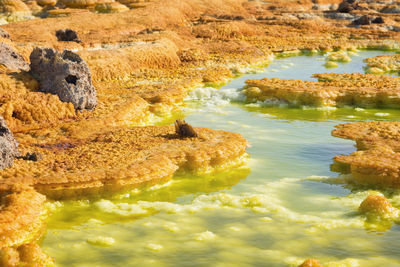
{"points": [[340, 56]]}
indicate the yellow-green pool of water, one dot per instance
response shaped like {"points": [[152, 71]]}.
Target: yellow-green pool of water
{"points": [[283, 206]]}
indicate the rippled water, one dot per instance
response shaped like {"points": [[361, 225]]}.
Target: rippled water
{"points": [[281, 208]]}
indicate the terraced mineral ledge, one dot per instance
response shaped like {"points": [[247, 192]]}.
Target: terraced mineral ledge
{"points": [[331, 89], [383, 64], [377, 160]]}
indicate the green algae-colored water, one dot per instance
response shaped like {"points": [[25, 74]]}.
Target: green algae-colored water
{"points": [[284, 206]]}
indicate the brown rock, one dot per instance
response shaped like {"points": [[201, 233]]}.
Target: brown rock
{"points": [[364, 20], [67, 35], [184, 129]]}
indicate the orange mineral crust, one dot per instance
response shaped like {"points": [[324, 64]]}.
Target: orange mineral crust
{"points": [[24, 108], [377, 161], [331, 89], [385, 63], [311, 263], [25, 255], [21, 214], [114, 159]]}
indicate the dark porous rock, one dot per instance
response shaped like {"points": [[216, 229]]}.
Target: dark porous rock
{"points": [[67, 35], [11, 59], [378, 20], [64, 74], [8, 146], [4, 34], [31, 156], [364, 20]]}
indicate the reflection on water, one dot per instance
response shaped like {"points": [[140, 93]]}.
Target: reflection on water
{"points": [[278, 210]]}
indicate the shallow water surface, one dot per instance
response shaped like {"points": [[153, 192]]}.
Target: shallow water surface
{"points": [[284, 206]]}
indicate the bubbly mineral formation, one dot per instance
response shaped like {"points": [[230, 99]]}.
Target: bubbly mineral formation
{"points": [[377, 161], [25, 255], [8, 146], [378, 206], [11, 59], [64, 74], [331, 89], [311, 263]]}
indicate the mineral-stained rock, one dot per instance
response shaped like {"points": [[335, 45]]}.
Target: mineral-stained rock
{"points": [[67, 35], [346, 6], [8, 145], [65, 74], [11, 59], [4, 34]]}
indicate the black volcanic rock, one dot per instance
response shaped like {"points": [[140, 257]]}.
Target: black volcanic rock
{"points": [[11, 59], [67, 35], [64, 74], [8, 146], [378, 20], [364, 20]]}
